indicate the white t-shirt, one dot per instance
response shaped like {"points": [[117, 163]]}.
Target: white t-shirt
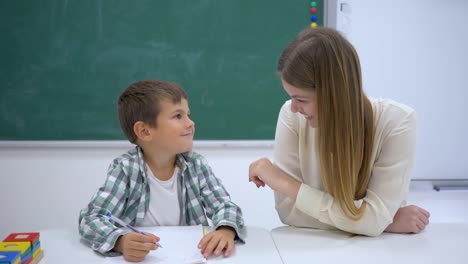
{"points": [[164, 206], [393, 157]]}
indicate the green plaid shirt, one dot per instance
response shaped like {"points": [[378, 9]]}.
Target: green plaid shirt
{"points": [[125, 194]]}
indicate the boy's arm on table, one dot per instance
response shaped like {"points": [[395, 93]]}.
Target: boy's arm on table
{"points": [[217, 203], [94, 227]]}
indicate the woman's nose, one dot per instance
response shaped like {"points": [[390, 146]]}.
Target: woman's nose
{"points": [[294, 107]]}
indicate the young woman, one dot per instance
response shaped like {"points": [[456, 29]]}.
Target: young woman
{"points": [[341, 159]]}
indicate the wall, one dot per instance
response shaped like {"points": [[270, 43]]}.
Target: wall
{"points": [[47, 186], [415, 52]]}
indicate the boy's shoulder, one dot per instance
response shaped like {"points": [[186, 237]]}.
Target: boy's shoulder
{"points": [[195, 167], [132, 156]]}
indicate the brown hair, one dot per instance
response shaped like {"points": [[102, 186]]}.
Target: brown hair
{"points": [[323, 60], [141, 102]]}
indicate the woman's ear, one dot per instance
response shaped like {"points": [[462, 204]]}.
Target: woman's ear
{"points": [[142, 131]]}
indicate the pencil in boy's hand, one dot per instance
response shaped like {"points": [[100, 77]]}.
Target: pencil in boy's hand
{"points": [[122, 223]]}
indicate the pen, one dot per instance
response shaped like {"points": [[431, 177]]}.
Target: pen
{"points": [[122, 223]]}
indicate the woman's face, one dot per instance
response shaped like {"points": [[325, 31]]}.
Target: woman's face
{"points": [[304, 102]]}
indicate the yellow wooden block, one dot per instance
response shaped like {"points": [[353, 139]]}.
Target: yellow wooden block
{"points": [[38, 250], [38, 258], [15, 246]]}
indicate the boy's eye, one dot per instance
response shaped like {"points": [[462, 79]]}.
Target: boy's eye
{"points": [[300, 100], [178, 116]]}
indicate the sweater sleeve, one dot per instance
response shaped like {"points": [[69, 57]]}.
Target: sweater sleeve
{"points": [[217, 202], [94, 227], [386, 191]]}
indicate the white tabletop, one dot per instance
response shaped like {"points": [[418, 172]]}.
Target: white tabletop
{"points": [[439, 243], [64, 246]]}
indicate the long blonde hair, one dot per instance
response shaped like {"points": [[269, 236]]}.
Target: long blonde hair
{"points": [[323, 60]]}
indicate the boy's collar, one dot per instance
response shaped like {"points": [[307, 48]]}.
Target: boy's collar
{"points": [[181, 159]]}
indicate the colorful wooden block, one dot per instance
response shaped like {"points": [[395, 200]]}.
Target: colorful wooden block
{"points": [[24, 248], [36, 252], [37, 258], [36, 246], [31, 237], [12, 257], [27, 245], [27, 257]]}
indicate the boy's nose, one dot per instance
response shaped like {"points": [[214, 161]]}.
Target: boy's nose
{"points": [[190, 123]]}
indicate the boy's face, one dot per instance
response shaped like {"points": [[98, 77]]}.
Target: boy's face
{"points": [[174, 129]]}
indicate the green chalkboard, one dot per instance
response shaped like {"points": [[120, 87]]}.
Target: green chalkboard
{"points": [[64, 63]]}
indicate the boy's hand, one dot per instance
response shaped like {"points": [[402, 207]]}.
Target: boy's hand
{"points": [[409, 219], [217, 241], [135, 247]]}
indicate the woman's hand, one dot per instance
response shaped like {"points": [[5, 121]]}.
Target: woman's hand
{"points": [[135, 247], [217, 241], [262, 172], [409, 219]]}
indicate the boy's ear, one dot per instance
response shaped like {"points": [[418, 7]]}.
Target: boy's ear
{"points": [[142, 131]]}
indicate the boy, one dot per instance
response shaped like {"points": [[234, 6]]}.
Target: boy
{"points": [[160, 181]]}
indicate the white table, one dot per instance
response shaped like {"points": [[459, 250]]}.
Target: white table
{"points": [[64, 246], [440, 243]]}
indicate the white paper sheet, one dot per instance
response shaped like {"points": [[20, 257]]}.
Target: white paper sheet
{"points": [[179, 246]]}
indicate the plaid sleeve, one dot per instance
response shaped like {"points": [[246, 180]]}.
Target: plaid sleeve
{"points": [[217, 202], [94, 227]]}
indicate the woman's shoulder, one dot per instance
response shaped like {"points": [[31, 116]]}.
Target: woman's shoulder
{"points": [[390, 107], [390, 114]]}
